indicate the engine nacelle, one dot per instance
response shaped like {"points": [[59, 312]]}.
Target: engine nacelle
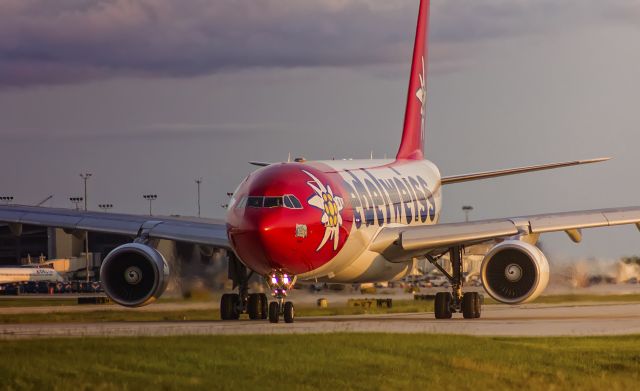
{"points": [[134, 275], [515, 272]]}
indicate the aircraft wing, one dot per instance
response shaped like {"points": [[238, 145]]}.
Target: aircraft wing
{"points": [[191, 230], [447, 180], [400, 242]]}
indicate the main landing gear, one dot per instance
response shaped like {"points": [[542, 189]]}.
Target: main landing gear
{"points": [[232, 305], [469, 303], [280, 283]]}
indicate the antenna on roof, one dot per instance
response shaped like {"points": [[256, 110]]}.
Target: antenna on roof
{"points": [[45, 200]]}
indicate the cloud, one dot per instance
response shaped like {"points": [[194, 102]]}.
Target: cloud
{"points": [[165, 131], [65, 41]]}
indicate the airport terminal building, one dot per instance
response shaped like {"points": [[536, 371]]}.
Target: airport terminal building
{"points": [[36, 244]]}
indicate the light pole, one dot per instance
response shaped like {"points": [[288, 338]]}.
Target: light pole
{"points": [[85, 177], [199, 182], [77, 201], [105, 207], [150, 198], [7, 200], [467, 209]]}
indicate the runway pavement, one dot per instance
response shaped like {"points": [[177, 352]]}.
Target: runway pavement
{"points": [[497, 320], [159, 307]]}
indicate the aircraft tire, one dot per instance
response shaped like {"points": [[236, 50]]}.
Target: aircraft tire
{"points": [[254, 306], [478, 300], [274, 312], [264, 304], [227, 304], [289, 312], [469, 301], [442, 305], [235, 308]]}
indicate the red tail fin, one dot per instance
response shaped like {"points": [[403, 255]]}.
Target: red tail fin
{"points": [[412, 144]]}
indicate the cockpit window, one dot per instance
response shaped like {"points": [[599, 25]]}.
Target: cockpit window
{"points": [[288, 201], [242, 203], [272, 202], [255, 202], [294, 201]]}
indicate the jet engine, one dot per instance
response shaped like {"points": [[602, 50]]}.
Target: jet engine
{"points": [[515, 272], [134, 275]]}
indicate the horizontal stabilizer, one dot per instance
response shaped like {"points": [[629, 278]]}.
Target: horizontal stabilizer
{"points": [[513, 171], [260, 164]]}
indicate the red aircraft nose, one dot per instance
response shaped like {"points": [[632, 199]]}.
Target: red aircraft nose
{"points": [[289, 218], [265, 242]]}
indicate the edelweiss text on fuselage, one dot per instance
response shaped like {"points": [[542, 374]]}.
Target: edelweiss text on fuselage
{"points": [[388, 197]]}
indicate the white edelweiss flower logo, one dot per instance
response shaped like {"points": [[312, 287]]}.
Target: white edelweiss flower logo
{"points": [[421, 94], [331, 206]]}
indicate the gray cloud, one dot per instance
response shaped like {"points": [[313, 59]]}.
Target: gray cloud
{"points": [[64, 41], [161, 131]]}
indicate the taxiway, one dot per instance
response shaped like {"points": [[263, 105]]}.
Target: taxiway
{"points": [[497, 320]]}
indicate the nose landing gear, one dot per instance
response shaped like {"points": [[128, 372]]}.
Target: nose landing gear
{"points": [[280, 283], [469, 303]]}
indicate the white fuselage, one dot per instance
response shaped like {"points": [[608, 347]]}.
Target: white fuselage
{"points": [[392, 193]]}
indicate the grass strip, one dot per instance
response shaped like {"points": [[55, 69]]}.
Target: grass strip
{"points": [[323, 362]]}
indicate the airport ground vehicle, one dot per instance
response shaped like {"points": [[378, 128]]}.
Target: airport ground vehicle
{"points": [[46, 287], [338, 221]]}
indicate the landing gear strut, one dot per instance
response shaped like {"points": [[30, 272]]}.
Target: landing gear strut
{"points": [[470, 303], [232, 305], [280, 283]]}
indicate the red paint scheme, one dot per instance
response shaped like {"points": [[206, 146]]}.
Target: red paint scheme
{"points": [[412, 144], [265, 238]]}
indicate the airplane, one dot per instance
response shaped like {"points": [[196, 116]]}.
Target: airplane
{"points": [[10, 275], [338, 221]]}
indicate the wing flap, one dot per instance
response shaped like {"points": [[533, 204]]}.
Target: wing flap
{"points": [[565, 222], [583, 219], [448, 234], [623, 216], [215, 236], [59, 220], [107, 225]]}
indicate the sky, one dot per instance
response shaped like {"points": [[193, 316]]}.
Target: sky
{"points": [[149, 95]]}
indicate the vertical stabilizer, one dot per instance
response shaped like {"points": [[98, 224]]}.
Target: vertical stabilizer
{"points": [[412, 144]]}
